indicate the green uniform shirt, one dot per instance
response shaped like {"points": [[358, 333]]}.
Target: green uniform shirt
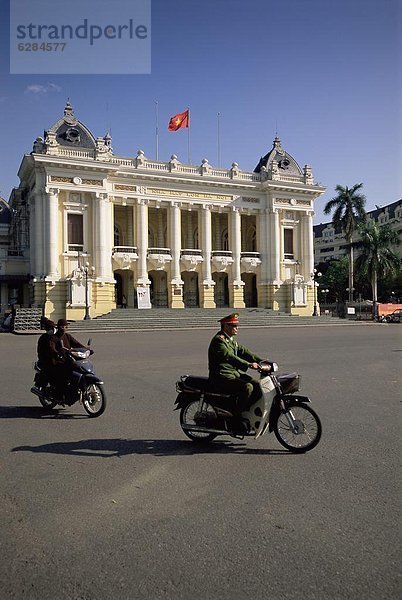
{"points": [[226, 358]]}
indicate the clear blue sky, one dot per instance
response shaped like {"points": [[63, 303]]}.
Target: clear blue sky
{"points": [[323, 73]]}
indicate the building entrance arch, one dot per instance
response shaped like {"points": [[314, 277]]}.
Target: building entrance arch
{"points": [[221, 289], [190, 289], [158, 289], [250, 289]]}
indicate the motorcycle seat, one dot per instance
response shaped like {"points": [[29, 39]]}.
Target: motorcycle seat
{"points": [[203, 385], [199, 384]]}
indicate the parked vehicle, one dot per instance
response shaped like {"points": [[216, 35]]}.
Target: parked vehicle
{"points": [[394, 317], [280, 409], [83, 385]]}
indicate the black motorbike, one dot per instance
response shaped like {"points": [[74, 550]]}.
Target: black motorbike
{"points": [[205, 413], [82, 385]]}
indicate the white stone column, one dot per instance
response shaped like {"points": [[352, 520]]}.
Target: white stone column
{"points": [[307, 246], [39, 235], [142, 242], [235, 230], [274, 247], [206, 241], [262, 247], [175, 243], [103, 249], [52, 233], [206, 289], [32, 236], [236, 292]]}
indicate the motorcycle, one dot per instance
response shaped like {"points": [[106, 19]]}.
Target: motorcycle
{"points": [[82, 386], [280, 409]]}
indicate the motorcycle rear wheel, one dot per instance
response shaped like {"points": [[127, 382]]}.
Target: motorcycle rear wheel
{"points": [[47, 402], [187, 415], [94, 400], [308, 429]]}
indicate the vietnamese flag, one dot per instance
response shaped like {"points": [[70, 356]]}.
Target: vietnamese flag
{"points": [[179, 121]]}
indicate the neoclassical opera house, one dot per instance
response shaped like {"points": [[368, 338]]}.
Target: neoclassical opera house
{"points": [[163, 234]]}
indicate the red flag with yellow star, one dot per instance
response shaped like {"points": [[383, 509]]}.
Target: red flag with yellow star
{"points": [[179, 121]]}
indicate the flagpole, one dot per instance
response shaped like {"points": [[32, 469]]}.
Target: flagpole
{"points": [[188, 137], [219, 140], [157, 130]]}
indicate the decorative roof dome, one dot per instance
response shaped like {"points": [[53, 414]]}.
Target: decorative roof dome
{"points": [[285, 163], [69, 131], [5, 212]]}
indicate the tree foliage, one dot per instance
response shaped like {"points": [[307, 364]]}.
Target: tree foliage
{"points": [[377, 259], [348, 209]]}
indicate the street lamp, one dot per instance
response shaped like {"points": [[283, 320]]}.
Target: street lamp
{"points": [[314, 275], [325, 292], [86, 269], [350, 293]]}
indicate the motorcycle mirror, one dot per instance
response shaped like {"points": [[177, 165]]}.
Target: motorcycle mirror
{"points": [[89, 342]]}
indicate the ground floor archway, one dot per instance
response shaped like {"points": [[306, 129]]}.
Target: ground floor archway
{"points": [[191, 297], [158, 289], [221, 289], [250, 289]]}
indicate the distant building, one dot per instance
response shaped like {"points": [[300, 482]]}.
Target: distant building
{"points": [[90, 227], [330, 243]]}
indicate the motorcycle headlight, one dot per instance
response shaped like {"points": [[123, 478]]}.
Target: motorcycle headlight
{"points": [[81, 353]]}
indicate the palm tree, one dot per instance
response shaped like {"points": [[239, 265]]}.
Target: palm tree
{"points": [[377, 258], [348, 207]]}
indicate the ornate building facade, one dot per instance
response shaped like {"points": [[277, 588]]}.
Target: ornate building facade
{"points": [[163, 234]]}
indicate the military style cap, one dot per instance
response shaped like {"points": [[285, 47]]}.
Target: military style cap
{"points": [[61, 322], [232, 319]]}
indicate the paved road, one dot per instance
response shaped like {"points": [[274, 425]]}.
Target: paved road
{"points": [[124, 507]]}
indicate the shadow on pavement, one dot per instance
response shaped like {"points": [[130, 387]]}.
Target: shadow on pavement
{"points": [[109, 448], [37, 412]]}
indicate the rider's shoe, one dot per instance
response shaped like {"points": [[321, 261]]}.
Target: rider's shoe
{"points": [[240, 426]]}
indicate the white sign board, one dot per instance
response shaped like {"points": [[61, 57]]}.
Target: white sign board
{"points": [[351, 310], [143, 298]]}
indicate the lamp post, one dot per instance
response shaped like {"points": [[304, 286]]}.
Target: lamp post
{"points": [[314, 275], [325, 292], [86, 269], [350, 293]]}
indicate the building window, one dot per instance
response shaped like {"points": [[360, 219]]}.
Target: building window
{"points": [[75, 229], [288, 243], [225, 240], [116, 236]]}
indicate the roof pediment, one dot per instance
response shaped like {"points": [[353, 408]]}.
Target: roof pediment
{"points": [[70, 132], [284, 162]]}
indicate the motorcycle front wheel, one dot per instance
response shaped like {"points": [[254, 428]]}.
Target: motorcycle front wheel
{"points": [[94, 400], [298, 428], [187, 415]]}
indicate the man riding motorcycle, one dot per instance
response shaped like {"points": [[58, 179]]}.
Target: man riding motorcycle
{"points": [[226, 360], [53, 356]]}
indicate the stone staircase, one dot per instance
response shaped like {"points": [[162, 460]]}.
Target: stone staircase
{"points": [[195, 318]]}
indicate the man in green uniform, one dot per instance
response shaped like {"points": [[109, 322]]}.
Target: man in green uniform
{"points": [[226, 360]]}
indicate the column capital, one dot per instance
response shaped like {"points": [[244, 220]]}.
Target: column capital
{"points": [[52, 191], [102, 195]]}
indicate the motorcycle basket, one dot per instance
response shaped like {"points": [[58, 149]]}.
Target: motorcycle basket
{"points": [[290, 382]]}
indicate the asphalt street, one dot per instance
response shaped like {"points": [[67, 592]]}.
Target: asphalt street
{"points": [[125, 507]]}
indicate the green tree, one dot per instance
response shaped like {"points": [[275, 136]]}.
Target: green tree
{"points": [[377, 258], [348, 212], [335, 278]]}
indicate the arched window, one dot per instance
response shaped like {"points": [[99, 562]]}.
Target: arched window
{"points": [[225, 240], [117, 236]]}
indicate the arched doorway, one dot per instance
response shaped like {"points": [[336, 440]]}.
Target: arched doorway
{"points": [[158, 291], [221, 289], [118, 289], [190, 289], [250, 289]]}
